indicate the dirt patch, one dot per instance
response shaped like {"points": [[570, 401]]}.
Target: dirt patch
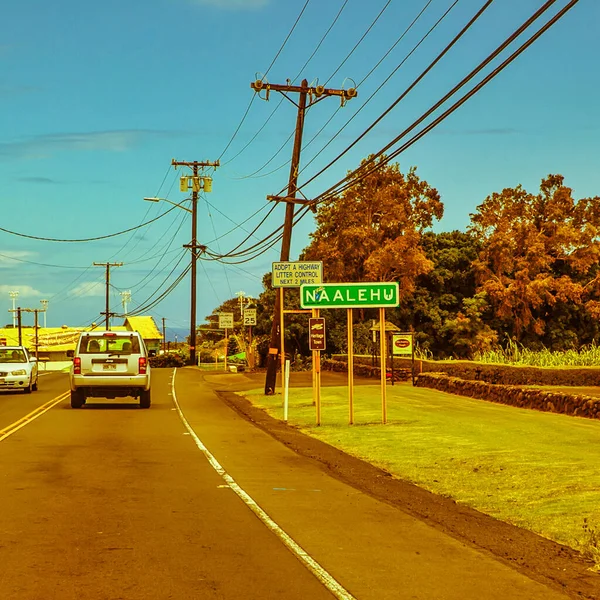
{"points": [[539, 558]]}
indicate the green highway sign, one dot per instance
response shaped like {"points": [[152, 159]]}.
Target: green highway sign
{"points": [[349, 295]]}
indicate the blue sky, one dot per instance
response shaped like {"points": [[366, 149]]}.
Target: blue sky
{"points": [[97, 98]]}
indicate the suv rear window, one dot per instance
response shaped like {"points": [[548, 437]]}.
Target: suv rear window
{"points": [[113, 344]]}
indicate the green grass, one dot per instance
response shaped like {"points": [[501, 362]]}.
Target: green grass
{"points": [[536, 470], [515, 354]]}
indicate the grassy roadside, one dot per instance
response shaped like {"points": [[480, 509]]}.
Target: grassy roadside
{"points": [[537, 470]]}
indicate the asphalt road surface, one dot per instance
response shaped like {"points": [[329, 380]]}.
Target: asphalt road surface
{"points": [[190, 500]]}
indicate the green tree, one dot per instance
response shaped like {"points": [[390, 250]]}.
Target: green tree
{"points": [[539, 259], [439, 294], [372, 232]]}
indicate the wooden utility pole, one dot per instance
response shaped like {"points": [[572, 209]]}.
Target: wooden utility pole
{"points": [[164, 344], [107, 266], [195, 165], [17, 312], [36, 311], [315, 94]]}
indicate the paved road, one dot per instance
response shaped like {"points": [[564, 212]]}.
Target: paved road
{"points": [[189, 500]]}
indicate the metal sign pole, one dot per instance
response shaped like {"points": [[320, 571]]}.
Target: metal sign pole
{"points": [[282, 338], [318, 379], [314, 366], [383, 352], [350, 366]]}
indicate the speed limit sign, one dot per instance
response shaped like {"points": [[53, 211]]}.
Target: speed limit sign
{"points": [[250, 316]]}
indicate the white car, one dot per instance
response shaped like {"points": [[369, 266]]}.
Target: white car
{"points": [[110, 364], [18, 369]]}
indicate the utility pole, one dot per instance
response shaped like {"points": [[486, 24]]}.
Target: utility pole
{"points": [[17, 321], [35, 311], [316, 94], [196, 180], [107, 312], [164, 336]]}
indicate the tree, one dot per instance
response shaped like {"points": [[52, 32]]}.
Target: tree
{"points": [[439, 295], [373, 231], [539, 257]]}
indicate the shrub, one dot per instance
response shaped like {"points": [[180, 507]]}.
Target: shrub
{"points": [[167, 360]]}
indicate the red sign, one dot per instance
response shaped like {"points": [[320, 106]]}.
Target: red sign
{"points": [[2, 341], [316, 336], [402, 343]]}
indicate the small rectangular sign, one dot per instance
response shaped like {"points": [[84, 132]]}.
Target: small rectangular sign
{"points": [[350, 295], [402, 343], [296, 273], [316, 334], [226, 320], [250, 316]]}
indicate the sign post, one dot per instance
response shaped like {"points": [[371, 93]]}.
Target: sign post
{"points": [[350, 366], [356, 295], [382, 365], [403, 345], [226, 322], [316, 342], [291, 274]]}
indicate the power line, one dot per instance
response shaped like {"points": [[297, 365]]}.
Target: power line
{"points": [[254, 95], [365, 169], [91, 239]]}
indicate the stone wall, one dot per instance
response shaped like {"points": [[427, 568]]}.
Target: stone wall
{"points": [[543, 400]]}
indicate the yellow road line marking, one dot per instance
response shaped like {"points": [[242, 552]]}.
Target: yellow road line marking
{"points": [[34, 414]]}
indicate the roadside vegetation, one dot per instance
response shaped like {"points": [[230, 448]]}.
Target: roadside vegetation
{"points": [[534, 470], [521, 284], [515, 354]]}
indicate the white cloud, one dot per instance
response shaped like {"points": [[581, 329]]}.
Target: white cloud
{"points": [[233, 4], [88, 289], [10, 258], [48, 144], [25, 291]]}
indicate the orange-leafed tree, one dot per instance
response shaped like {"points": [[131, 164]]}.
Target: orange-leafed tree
{"points": [[539, 252], [372, 232]]}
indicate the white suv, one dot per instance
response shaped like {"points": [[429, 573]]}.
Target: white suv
{"points": [[110, 364]]}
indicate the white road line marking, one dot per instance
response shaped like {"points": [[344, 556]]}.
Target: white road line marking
{"points": [[309, 562]]}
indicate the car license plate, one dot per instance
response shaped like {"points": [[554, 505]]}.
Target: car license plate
{"points": [[110, 367]]}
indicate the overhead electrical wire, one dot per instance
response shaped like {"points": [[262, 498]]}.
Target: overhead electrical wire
{"points": [[407, 29], [306, 63], [405, 93], [266, 73], [363, 169], [91, 239]]}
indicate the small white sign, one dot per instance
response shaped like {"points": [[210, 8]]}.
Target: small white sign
{"points": [[226, 320], [250, 316], [296, 273]]}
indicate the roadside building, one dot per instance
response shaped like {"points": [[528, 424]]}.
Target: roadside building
{"points": [[147, 327]]}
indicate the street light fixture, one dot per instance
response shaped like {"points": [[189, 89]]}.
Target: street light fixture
{"points": [[44, 304], [14, 295], [179, 204]]}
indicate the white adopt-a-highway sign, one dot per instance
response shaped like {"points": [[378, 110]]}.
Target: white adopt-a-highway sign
{"points": [[226, 320], [296, 273]]}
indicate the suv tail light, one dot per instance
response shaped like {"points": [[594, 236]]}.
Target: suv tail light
{"points": [[77, 365], [143, 363]]}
